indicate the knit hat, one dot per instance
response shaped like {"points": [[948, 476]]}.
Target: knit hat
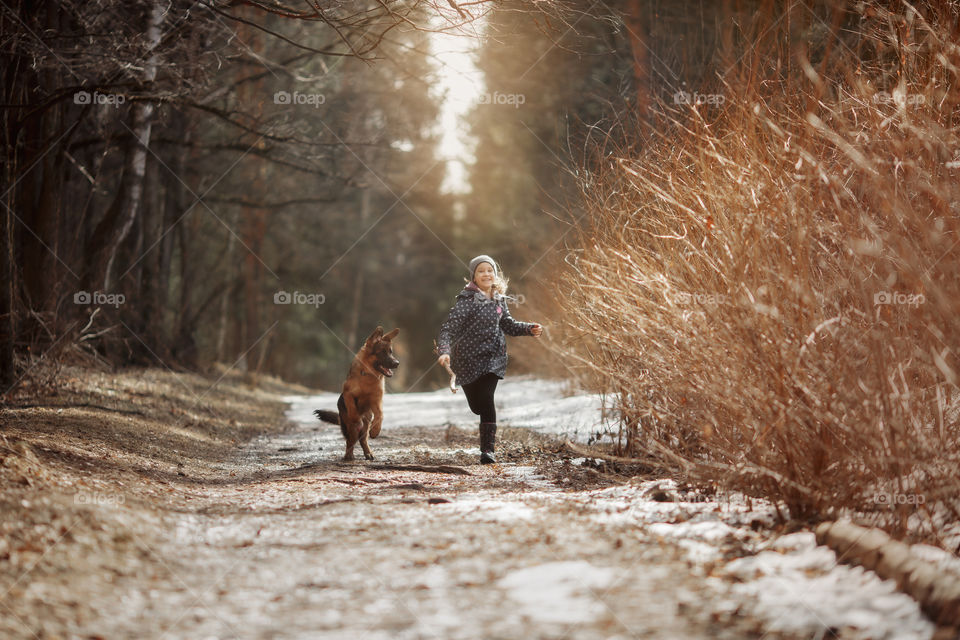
{"points": [[483, 258]]}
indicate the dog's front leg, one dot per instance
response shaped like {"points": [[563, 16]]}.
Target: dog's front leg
{"points": [[352, 423], [352, 434], [377, 422], [364, 433]]}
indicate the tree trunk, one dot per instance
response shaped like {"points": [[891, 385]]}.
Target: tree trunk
{"points": [[116, 224], [184, 344], [225, 298], [175, 201], [638, 28], [254, 218], [36, 198], [255, 231], [7, 275], [146, 288]]}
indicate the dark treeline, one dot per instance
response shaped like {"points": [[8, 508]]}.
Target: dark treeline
{"points": [[170, 168], [188, 182], [185, 183]]}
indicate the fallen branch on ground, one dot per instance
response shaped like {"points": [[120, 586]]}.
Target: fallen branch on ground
{"points": [[81, 405], [587, 453], [438, 468]]}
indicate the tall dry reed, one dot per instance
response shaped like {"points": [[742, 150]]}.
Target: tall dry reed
{"points": [[772, 284]]}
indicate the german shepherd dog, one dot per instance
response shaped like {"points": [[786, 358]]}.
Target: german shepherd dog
{"points": [[361, 403]]}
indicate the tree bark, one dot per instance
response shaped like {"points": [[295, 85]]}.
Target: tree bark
{"points": [[174, 203], [254, 220], [146, 285], [638, 29], [35, 143], [7, 279], [184, 344], [116, 224], [225, 299]]}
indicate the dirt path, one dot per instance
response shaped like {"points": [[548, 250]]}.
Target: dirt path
{"points": [[307, 547], [277, 539]]}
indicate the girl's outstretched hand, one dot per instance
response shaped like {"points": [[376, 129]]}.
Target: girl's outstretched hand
{"points": [[444, 360], [536, 330]]}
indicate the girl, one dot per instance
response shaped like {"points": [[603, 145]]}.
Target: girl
{"points": [[472, 343]]}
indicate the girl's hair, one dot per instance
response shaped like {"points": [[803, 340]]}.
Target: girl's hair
{"points": [[500, 282]]}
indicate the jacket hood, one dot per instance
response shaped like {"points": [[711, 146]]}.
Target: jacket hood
{"points": [[471, 290]]}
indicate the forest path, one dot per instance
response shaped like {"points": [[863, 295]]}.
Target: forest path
{"points": [[313, 547], [422, 542], [123, 525]]}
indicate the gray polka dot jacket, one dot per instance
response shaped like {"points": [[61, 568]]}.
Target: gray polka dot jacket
{"points": [[473, 334]]}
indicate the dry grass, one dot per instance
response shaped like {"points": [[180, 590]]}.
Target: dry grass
{"points": [[731, 270]]}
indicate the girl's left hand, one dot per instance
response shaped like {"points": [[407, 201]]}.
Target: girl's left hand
{"points": [[536, 330]]}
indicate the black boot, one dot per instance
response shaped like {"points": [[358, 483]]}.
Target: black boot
{"points": [[488, 440]]}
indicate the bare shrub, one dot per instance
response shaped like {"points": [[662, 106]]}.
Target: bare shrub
{"points": [[771, 282]]}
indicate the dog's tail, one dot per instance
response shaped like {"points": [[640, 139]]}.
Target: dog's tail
{"points": [[327, 416]]}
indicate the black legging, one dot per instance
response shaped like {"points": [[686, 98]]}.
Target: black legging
{"points": [[480, 396]]}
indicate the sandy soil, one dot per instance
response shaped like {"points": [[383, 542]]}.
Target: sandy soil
{"points": [[161, 505]]}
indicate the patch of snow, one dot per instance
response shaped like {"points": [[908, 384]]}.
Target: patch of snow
{"points": [[541, 405], [794, 586], [707, 531], [631, 505], [943, 560], [488, 509], [699, 552], [558, 592], [528, 475], [433, 577], [806, 591]]}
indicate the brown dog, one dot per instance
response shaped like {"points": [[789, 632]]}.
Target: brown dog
{"points": [[361, 403]]}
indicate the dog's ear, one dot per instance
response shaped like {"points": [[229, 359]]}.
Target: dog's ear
{"points": [[390, 336], [376, 335]]}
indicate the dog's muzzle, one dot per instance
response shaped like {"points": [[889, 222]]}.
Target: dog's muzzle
{"points": [[387, 369]]}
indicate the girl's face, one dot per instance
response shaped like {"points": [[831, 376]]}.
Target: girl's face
{"points": [[484, 275]]}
